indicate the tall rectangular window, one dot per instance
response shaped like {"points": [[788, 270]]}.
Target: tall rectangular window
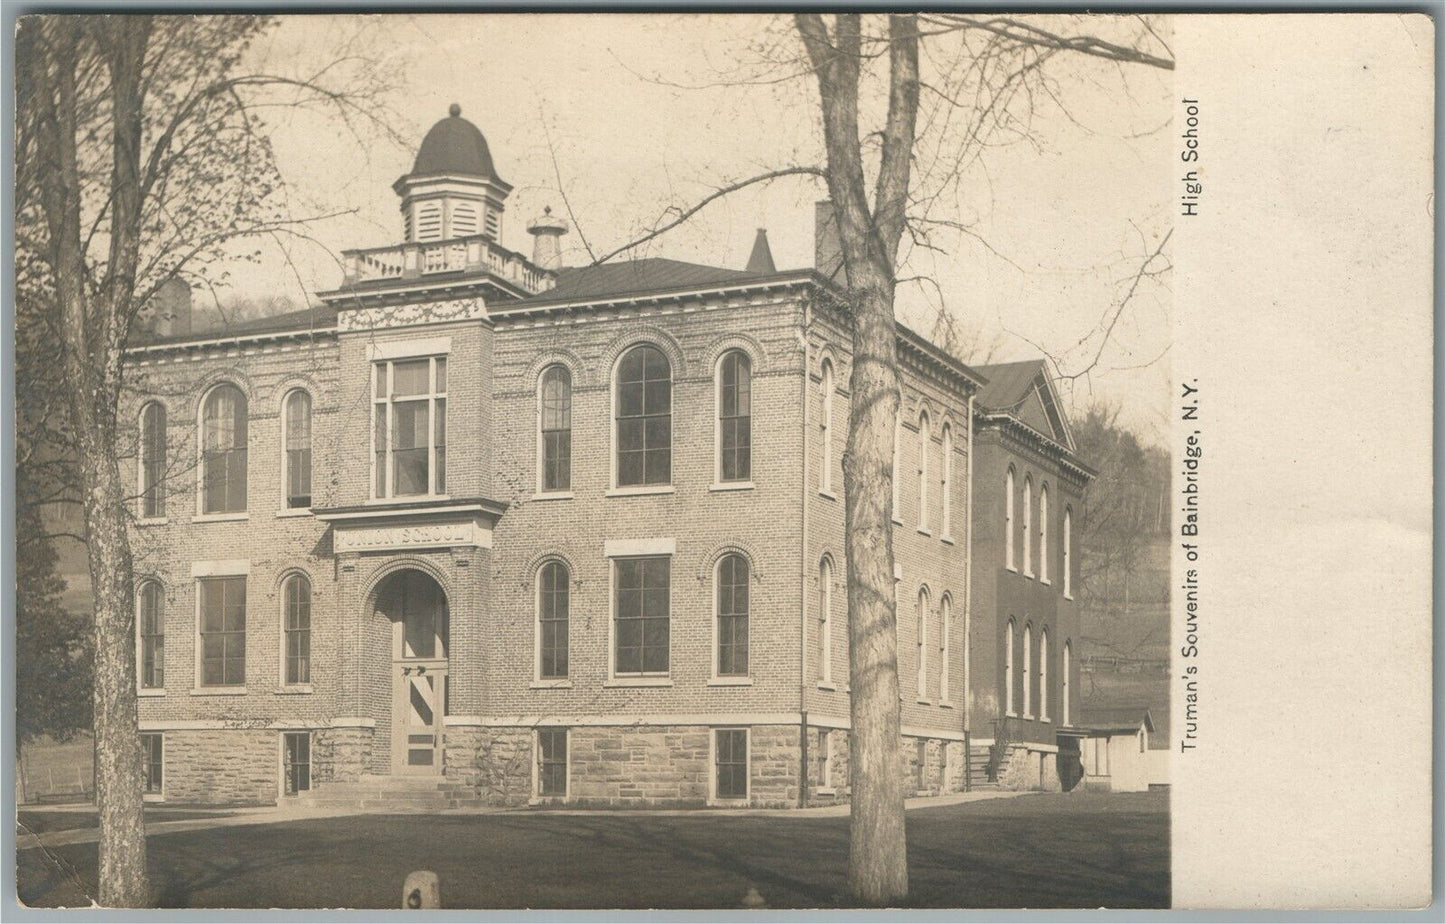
{"points": [[552, 762], [409, 441], [732, 616], [153, 459], [730, 761], [735, 410], [556, 424], [297, 762], [553, 607], [223, 631], [152, 636], [153, 751], [297, 436], [642, 612], [297, 618], [223, 451]]}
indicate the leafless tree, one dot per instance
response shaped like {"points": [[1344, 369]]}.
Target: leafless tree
{"points": [[909, 105], [140, 154]]}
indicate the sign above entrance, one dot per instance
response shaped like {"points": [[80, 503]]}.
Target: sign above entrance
{"points": [[380, 538]]}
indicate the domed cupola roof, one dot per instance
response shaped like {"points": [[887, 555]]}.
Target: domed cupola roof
{"points": [[454, 146]]}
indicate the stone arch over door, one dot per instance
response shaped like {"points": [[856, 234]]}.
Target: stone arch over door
{"points": [[413, 607]]}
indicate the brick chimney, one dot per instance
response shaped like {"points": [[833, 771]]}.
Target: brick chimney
{"points": [[168, 313], [827, 250]]}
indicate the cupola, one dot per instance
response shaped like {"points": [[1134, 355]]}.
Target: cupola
{"points": [[453, 189]]}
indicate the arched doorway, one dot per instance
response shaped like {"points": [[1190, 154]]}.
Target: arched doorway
{"points": [[416, 605]]}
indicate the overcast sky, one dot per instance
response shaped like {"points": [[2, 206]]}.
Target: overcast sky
{"points": [[644, 112]]}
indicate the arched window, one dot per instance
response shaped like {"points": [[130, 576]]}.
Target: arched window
{"points": [[945, 629], [1028, 672], [1028, 526], [922, 624], [1044, 533], [1069, 552], [296, 448], [1008, 520], [897, 466], [734, 417], [825, 457], [946, 485], [825, 620], [923, 441], [553, 616], [1065, 670], [152, 459], [223, 451], [151, 630], [1008, 668], [644, 417], [1044, 673], [732, 616], [296, 597], [555, 420]]}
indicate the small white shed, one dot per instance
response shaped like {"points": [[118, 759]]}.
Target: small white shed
{"points": [[1116, 751]]}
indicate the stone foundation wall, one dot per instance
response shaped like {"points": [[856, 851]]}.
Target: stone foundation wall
{"points": [[497, 762], [1028, 769], [222, 767], [341, 754]]}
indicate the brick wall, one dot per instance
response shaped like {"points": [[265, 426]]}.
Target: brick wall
{"points": [[1001, 594]]}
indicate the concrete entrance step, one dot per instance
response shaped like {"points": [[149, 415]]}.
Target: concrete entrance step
{"points": [[391, 794]]}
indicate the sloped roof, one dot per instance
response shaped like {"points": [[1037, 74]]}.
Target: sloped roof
{"points": [[1008, 383], [321, 317], [1009, 388], [1128, 719], [632, 277], [454, 146]]}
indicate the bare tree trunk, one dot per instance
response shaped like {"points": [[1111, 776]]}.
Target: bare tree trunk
{"points": [[878, 849], [118, 783], [94, 330], [869, 238]]}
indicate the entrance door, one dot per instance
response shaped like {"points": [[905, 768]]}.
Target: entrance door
{"points": [[418, 611], [421, 701]]}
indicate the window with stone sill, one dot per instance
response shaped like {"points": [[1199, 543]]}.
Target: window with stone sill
{"points": [[223, 631], [223, 451], [153, 460], [555, 420], [735, 409], [296, 618], [409, 414], [150, 624], [642, 616], [296, 449], [732, 616], [553, 611], [644, 418]]}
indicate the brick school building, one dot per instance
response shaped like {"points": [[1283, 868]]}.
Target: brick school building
{"points": [[481, 528]]}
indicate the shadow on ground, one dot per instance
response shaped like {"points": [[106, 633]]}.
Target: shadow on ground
{"points": [[1080, 850]]}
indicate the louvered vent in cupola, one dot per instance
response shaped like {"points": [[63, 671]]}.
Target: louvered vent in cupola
{"points": [[429, 222], [464, 219]]}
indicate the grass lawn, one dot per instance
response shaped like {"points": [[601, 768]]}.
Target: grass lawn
{"points": [[1080, 850]]}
